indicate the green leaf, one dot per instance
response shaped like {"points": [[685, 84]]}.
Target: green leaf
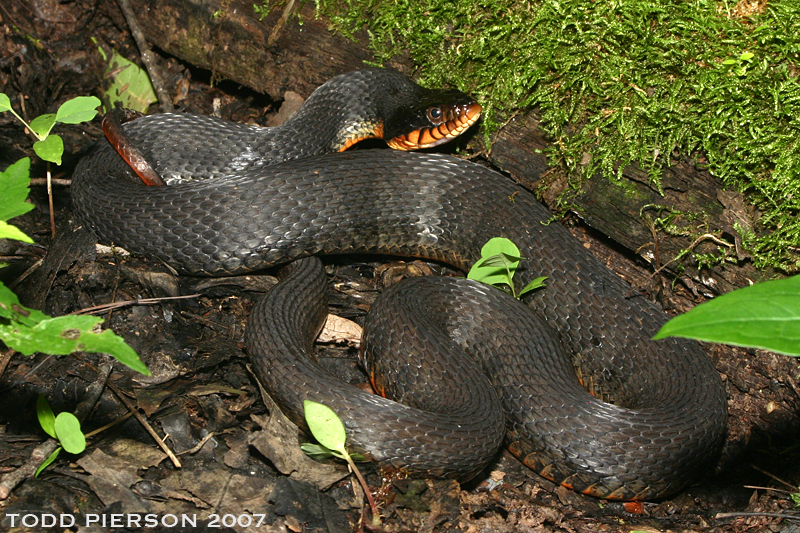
{"points": [[500, 245], [8, 231], [765, 315], [535, 284], [51, 149], [502, 260], [47, 461], [130, 85], [32, 331], [317, 451], [494, 270], [14, 183], [57, 336], [47, 418], [12, 310], [42, 125], [68, 431], [325, 425], [499, 261], [5, 103], [77, 110]]}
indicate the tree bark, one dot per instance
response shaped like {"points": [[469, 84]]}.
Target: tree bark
{"points": [[290, 49]]}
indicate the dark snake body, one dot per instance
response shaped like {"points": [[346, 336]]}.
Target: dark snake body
{"points": [[254, 215]]}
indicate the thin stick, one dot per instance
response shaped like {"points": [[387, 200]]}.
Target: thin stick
{"points": [[199, 445], [773, 476], [29, 271], [55, 181], [276, 31], [146, 426], [148, 58], [768, 488], [770, 515], [119, 420], [138, 301]]}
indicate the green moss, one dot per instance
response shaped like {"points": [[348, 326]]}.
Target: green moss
{"points": [[624, 81]]}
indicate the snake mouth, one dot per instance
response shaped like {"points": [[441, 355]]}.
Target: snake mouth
{"points": [[448, 122]]}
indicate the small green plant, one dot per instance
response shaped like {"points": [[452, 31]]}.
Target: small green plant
{"points": [[499, 261], [739, 64], [28, 330], [50, 147], [327, 428], [262, 10], [765, 315], [65, 428]]}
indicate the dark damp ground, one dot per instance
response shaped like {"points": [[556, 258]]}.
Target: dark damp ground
{"points": [[239, 461]]}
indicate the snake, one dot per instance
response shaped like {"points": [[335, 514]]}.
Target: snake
{"points": [[568, 379]]}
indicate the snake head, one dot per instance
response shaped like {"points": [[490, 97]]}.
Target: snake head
{"points": [[437, 118], [380, 103]]}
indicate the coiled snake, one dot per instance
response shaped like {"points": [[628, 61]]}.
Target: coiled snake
{"points": [[261, 197]]}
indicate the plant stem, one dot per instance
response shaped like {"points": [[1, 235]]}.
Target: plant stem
{"points": [[50, 201], [27, 126], [376, 517]]}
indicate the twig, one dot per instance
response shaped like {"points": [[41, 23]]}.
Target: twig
{"points": [[119, 420], [773, 476], [276, 31], [719, 516], [698, 240], [773, 489], [43, 451], [199, 444], [203, 320], [31, 269], [37, 457], [35, 369], [146, 426], [54, 181], [148, 58], [138, 301]]}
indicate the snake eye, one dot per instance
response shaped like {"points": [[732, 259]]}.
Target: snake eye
{"points": [[434, 114]]}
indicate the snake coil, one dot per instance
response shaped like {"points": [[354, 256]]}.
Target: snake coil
{"points": [[262, 197]]}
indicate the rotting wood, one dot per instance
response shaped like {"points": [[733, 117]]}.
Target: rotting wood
{"points": [[284, 51], [625, 211], [290, 52]]}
